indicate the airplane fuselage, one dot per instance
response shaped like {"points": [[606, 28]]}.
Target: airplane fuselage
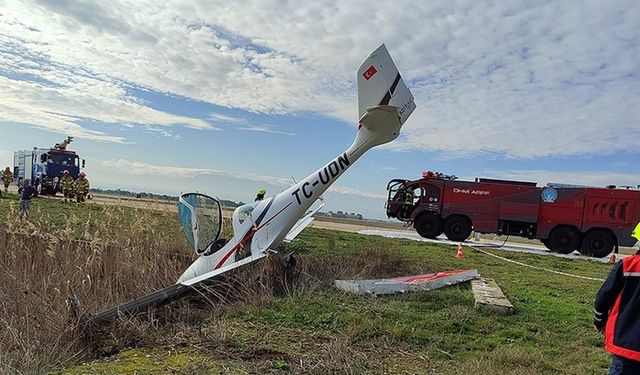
{"points": [[384, 103], [267, 224]]}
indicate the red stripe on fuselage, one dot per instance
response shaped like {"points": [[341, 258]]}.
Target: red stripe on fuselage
{"points": [[247, 237]]}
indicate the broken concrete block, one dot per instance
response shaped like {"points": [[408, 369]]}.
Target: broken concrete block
{"points": [[488, 295], [404, 284]]}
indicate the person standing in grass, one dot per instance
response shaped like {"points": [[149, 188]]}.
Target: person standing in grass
{"points": [[7, 177], [66, 182], [617, 313], [26, 193], [82, 187]]}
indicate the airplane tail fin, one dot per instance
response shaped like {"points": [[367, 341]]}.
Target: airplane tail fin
{"points": [[380, 84]]}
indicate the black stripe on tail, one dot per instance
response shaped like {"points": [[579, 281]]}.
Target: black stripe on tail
{"points": [[387, 97]]}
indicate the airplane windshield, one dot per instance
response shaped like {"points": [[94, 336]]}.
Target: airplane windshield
{"points": [[201, 220], [245, 211]]}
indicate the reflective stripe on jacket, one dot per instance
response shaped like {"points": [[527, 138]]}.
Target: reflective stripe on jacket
{"points": [[617, 309], [82, 186], [67, 183]]}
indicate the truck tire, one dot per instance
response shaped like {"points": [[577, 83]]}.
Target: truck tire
{"points": [[43, 190], [597, 243], [563, 240], [428, 225], [457, 228]]}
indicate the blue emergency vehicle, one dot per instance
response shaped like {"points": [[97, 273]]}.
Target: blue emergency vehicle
{"points": [[44, 166]]}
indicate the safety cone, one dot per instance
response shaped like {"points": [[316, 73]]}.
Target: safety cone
{"points": [[459, 253], [612, 259]]}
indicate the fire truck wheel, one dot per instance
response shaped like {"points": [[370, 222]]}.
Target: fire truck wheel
{"points": [[597, 243], [457, 228], [564, 240], [428, 225]]}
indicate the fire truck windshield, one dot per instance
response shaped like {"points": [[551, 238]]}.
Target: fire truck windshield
{"points": [[63, 159], [394, 188]]}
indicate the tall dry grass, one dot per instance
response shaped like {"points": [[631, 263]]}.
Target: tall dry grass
{"points": [[50, 279], [53, 277]]}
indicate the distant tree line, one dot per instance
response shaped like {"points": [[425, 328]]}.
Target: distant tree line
{"points": [[340, 214], [226, 203], [154, 196]]}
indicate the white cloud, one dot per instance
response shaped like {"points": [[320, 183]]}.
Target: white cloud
{"points": [[137, 168], [358, 192], [244, 124], [515, 78], [64, 104], [220, 118], [265, 129]]}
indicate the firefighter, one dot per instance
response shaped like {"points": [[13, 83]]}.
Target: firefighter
{"points": [[408, 198], [617, 313], [66, 182], [261, 194], [82, 187], [7, 177], [407, 206]]}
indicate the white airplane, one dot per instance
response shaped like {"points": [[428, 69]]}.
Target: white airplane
{"points": [[384, 105]]}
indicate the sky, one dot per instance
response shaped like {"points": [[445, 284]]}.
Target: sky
{"points": [[226, 97]]}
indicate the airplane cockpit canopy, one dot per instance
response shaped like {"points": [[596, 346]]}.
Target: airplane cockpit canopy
{"points": [[201, 219], [244, 212]]}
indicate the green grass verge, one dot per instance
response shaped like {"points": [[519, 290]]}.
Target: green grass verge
{"points": [[323, 331], [432, 332]]}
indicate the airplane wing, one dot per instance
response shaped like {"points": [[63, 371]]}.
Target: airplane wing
{"points": [[223, 269], [302, 223], [167, 294]]}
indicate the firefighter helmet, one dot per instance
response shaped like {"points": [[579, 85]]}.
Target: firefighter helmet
{"points": [[82, 174], [262, 191]]}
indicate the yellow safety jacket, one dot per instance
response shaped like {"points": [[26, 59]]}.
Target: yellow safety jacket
{"points": [[7, 176], [636, 232], [82, 186], [408, 198], [67, 183]]}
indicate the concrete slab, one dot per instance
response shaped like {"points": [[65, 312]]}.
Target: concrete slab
{"points": [[405, 284], [488, 295]]}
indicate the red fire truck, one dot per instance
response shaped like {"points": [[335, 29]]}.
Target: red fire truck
{"points": [[594, 221]]}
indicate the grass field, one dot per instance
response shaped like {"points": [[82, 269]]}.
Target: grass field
{"points": [[305, 325]]}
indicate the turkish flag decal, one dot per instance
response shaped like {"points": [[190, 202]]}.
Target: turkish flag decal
{"points": [[369, 73]]}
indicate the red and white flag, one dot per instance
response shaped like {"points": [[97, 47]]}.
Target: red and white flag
{"points": [[369, 73]]}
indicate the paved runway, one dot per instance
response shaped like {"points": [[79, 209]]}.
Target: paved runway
{"points": [[508, 246]]}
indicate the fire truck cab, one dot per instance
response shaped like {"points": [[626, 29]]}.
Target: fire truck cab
{"points": [[564, 218]]}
